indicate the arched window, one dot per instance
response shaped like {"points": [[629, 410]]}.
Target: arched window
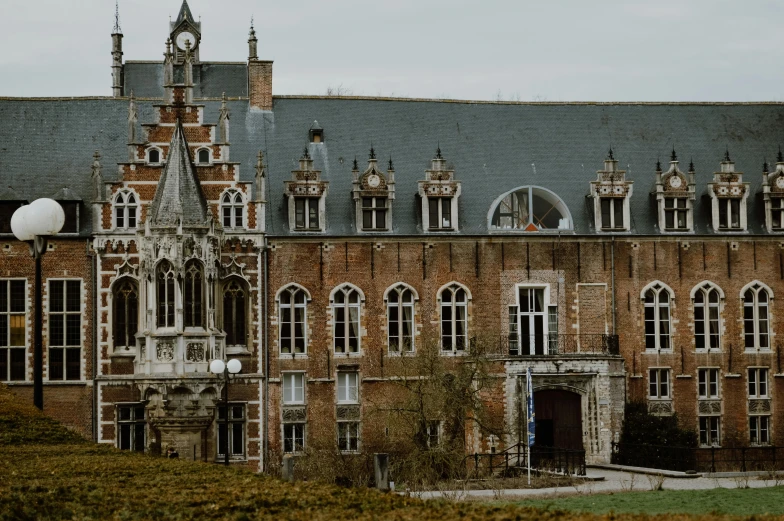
{"points": [[233, 209], [756, 317], [126, 313], [234, 313], [125, 210], [346, 304], [153, 156], [707, 311], [400, 319], [203, 156], [164, 277], [193, 294], [657, 317], [293, 308], [530, 208], [454, 318]]}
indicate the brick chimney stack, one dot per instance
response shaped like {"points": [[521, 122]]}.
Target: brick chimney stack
{"points": [[259, 76]]}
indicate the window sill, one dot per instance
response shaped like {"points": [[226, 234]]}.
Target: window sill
{"points": [[453, 353], [658, 352], [757, 350], [26, 383], [399, 354], [124, 353], [347, 355], [293, 356]]}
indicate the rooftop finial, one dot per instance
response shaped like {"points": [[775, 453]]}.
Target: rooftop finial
{"points": [[780, 157], [727, 155], [306, 153], [765, 166], [372, 152], [658, 165], [356, 165], [438, 152], [391, 166], [674, 156], [610, 155], [117, 28], [691, 165]]}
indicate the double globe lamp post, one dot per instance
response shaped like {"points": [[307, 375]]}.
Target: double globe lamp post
{"points": [[34, 224], [219, 367]]}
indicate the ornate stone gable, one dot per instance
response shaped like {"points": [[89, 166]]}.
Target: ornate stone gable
{"points": [[675, 194], [306, 194], [773, 195], [611, 192], [439, 193], [728, 195], [373, 192]]}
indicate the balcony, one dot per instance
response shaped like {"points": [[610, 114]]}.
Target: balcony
{"points": [[555, 345]]}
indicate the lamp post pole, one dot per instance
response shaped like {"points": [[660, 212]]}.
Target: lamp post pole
{"points": [[226, 413], [219, 367], [34, 224]]}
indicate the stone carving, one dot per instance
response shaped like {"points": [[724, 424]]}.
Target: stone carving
{"points": [[710, 407], [194, 352], [294, 414], [759, 406], [661, 407], [165, 351], [348, 412]]}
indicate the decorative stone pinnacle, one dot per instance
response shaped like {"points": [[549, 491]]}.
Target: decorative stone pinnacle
{"points": [[727, 156], [391, 166], [306, 154], [356, 165], [438, 152], [658, 165], [691, 166], [765, 166], [610, 155], [372, 152], [117, 28], [780, 157], [674, 156]]}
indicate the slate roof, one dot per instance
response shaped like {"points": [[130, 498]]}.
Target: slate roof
{"points": [[493, 147], [210, 79], [185, 13], [178, 198]]}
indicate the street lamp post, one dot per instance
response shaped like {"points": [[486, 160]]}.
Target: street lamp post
{"points": [[34, 224], [218, 367]]}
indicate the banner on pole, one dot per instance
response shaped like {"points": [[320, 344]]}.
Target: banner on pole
{"points": [[530, 405]]}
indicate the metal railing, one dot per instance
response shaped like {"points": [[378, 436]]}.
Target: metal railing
{"points": [[700, 459], [570, 462], [556, 344]]}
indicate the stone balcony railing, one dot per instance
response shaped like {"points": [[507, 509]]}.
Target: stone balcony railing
{"points": [[178, 353], [554, 345]]}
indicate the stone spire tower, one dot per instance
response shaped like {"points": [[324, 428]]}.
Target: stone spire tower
{"points": [[117, 54]]}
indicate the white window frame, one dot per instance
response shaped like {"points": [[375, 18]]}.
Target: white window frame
{"points": [[728, 213], [147, 156], [163, 323], [6, 342], [711, 313], [659, 379], [308, 203], [198, 161], [453, 307], [709, 431], [777, 207], [65, 313], [293, 388], [235, 205], [125, 210], [441, 203], [293, 306], [613, 226], [662, 340], [757, 329], [434, 432], [400, 339], [547, 342], [759, 430], [352, 318], [293, 436], [676, 210], [708, 383], [347, 387], [353, 432], [758, 379], [233, 425], [374, 210], [133, 421]]}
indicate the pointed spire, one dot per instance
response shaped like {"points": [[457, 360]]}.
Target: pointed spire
{"points": [[185, 14], [438, 152], [372, 152], [253, 43], [178, 199], [691, 166], [673, 156], [610, 156], [765, 166], [391, 165], [658, 165], [727, 156], [780, 157], [356, 164], [117, 28]]}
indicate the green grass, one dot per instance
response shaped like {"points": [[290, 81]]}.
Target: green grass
{"points": [[739, 502]]}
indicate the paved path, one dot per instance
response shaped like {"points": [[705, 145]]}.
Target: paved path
{"points": [[614, 481]]}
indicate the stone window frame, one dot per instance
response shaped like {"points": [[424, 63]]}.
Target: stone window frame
{"points": [[294, 426], [454, 349], [550, 342], [134, 422], [657, 381], [244, 287], [233, 425], [347, 386], [120, 204], [236, 201], [658, 287], [414, 313], [65, 313], [197, 156], [544, 193], [757, 287], [758, 371], [115, 304], [171, 300], [706, 425], [346, 288], [5, 376], [293, 287], [759, 424], [194, 296], [303, 376], [147, 158], [705, 288], [709, 381]]}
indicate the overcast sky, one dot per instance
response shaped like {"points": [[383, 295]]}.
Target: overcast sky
{"points": [[548, 50]]}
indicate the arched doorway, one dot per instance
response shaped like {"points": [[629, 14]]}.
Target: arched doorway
{"points": [[559, 421]]}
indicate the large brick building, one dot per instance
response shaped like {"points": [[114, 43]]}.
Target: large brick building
{"points": [[239, 224]]}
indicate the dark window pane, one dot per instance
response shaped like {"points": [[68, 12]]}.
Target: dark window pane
{"points": [[56, 295], [56, 364], [18, 296], [433, 212], [71, 210], [72, 364], [17, 364], [7, 209], [3, 364], [606, 213]]}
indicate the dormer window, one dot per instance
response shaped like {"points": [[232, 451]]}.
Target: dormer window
{"points": [[373, 192], [125, 210], [9, 203], [154, 156], [675, 195], [316, 133], [232, 209], [306, 194], [439, 193], [773, 193], [530, 209], [728, 195], [70, 203], [611, 193], [203, 156]]}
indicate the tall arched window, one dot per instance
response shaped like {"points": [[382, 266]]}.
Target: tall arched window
{"points": [[346, 304], [164, 277], [454, 318], [756, 317], [400, 319], [707, 304], [293, 307], [234, 313], [232, 209], [126, 313], [125, 210], [194, 294], [657, 317]]}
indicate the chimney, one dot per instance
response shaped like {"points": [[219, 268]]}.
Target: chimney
{"points": [[260, 84], [253, 44]]}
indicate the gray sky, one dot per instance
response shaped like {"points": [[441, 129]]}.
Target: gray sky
{"points": [[556, 50]]}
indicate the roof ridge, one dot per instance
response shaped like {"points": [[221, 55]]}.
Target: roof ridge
{"points": [[551, 103]]}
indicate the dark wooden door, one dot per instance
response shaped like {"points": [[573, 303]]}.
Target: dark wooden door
{"points": [[559, 416]]}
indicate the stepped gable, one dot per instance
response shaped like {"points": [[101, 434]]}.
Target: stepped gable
{"points": [[179, 199]]}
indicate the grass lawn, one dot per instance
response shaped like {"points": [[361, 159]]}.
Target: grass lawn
{"points": [[739, 502]]}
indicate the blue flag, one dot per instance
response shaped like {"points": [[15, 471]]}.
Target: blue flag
{"points": [[531, 413]]}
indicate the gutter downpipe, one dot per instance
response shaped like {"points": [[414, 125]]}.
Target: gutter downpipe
{"points": [[265, 440], [94, 270], [612, 270]]}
